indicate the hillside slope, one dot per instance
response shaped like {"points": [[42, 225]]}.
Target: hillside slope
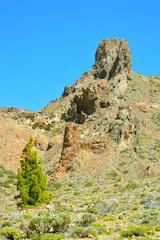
{"points": [[115, 115]]}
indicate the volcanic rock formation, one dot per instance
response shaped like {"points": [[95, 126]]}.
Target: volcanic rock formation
{"points": [[112, 58], [105, 111], [71, 147]]}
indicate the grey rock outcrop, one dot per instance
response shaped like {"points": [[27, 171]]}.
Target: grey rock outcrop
{"points": [[118, 85], [112, 58], [124, 128]]}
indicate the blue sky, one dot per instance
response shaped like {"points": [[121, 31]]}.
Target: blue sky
{"points": [[47, 44]]}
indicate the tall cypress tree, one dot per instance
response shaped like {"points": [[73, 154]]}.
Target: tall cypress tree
{"points": [[31, 180]]}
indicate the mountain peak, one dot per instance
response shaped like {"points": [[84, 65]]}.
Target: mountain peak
{"points": [[112, 57]]}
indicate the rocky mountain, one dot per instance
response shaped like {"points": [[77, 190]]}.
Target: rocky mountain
{"points": [[109, 117], [99, 147]]}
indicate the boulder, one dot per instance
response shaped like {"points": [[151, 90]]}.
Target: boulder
{"points": [[146, 171], [40, 142]]}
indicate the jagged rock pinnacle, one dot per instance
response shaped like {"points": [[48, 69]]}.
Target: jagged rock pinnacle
{"points": [[112, 57]]}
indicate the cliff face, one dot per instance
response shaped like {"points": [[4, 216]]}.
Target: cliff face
{"points": [[108, 116]]}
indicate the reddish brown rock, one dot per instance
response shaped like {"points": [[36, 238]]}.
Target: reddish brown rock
{"points": [[12, 141], [40, 142], [98, 144], [71, 147], [54, 142], [144, 171]]}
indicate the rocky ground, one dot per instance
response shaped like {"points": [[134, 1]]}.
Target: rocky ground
{"points": [[99, 146]]}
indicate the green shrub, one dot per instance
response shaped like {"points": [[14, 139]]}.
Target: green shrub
{"points": [[138, 231], [120, 217], [88, 184], [112, 175], [7, 224], [131, 185], [77, 232], [43, 213], [87, 218], [100, 229], [133, 230], [27, 216], [145, 238], [51, 236], [54, 184], [89, 231], [3, 238], [10, 233], [149, 230], [146, 221], [135, 208], [38, 225], [92, 210], [59, 221], [109, 218], [80, 232], [157, 228], [35, 237], [43, 224]]}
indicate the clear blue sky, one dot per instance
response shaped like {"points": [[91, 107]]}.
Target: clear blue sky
{"points": [[47, 44]]}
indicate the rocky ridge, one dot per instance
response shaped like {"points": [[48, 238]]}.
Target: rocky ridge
{"points": [[110, 108]]}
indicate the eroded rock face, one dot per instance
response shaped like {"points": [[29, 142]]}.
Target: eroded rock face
{"points": [[87, 102], [71, 147], [118, 85], [90, 101], [40, 142], [57, 140], [112, 58], [124, 129], [86, 76], [98, 144]]}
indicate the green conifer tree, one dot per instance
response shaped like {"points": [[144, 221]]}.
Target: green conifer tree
{"points": [[31, 180]]}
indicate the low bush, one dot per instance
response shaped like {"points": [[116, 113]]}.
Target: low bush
{"points": [[80, 232], [3, 238], [92, 210], [52, 236], [131, 185], [43, 224], [35, 237], [109, 218], [157, 228], [10, 233], [100, 229], [133, 230], [89, 232], [87, 219], [138, 231], [59, 222], [7, 224]]}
